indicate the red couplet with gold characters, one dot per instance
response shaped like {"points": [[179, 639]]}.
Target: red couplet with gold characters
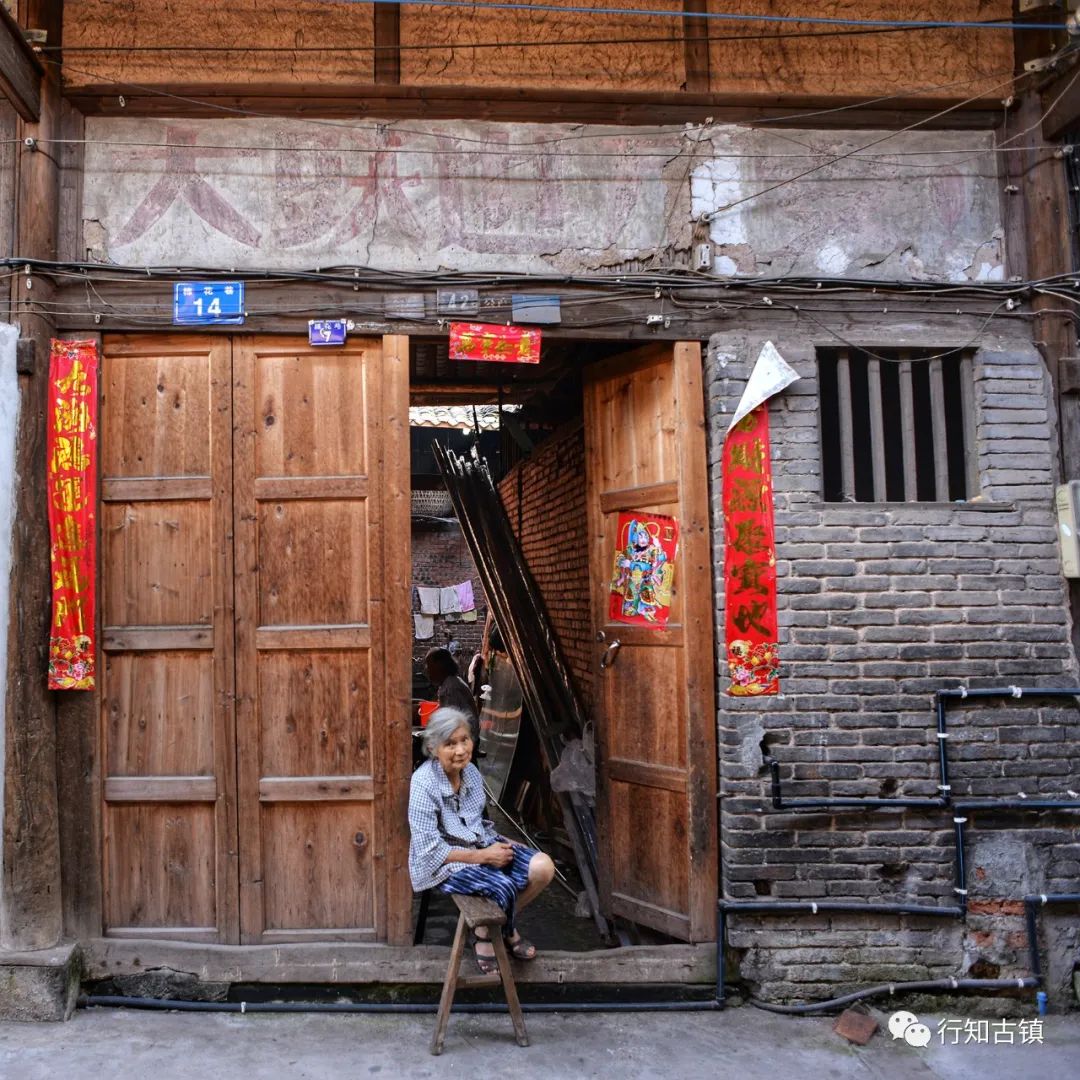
{"points": [[750, 559], [489, 341], [72, 495]]}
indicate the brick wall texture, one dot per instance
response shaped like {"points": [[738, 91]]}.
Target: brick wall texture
{"points": [[545, 498], [440, 556], [880, 606]]}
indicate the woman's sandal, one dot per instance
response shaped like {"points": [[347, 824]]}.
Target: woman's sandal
{"points": [[521, 949], [488, 965]]}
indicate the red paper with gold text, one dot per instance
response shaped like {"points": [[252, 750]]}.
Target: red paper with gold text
{"points": [[72, 493], [750, 559], [500, 344]]}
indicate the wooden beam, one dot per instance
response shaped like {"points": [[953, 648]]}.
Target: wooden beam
{"points": [[392, 102], [20, 69], [387, 39], [696, 42]]}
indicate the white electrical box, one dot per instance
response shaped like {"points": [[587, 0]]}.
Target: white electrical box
{"points": [[1067, 501]]}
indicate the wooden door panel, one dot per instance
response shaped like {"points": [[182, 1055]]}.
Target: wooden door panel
{"points": [[167, 734], [315, 716], [162, 871], [311, 630], [319, 871], [159, 565], [656, 723], [164, 400], [159, 714], [328, 538], [302, 428]]}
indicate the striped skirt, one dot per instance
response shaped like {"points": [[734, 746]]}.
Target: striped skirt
{"points": [[501, 884]]}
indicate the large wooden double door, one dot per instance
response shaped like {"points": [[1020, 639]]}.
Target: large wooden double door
{"points": [[255, 563]]}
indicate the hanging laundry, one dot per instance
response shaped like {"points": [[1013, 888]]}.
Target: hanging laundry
{"points": [[423, 627], [465, 596], [429, 600], [448, 600], [469, 616]]}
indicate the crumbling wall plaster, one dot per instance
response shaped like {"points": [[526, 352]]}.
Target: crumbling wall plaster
{"points": [[463, 195]]}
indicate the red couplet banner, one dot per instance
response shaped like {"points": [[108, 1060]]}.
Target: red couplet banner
{"points": [[72, 494], [750, 559], [500, 344]]}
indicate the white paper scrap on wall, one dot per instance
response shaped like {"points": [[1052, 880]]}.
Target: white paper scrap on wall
{"points": [[771, 374]]}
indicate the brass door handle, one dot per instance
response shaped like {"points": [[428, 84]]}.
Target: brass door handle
{"points": [[610, 653]]}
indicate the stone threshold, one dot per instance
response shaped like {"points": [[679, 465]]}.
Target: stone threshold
{"points": [[356, 963]]}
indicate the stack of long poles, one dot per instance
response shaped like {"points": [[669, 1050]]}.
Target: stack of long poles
{"points": [[523, 622]]}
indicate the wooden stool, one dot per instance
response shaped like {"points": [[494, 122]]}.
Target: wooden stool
{"points": [[476, 911]]}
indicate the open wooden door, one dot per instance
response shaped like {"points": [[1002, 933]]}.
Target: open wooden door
{"points": [[656, 718], [322, 572]]}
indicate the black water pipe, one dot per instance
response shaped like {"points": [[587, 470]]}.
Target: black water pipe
{"points": [[1031, 916], [1032, 981], [118, 1001], [926, 986], [811, 907], [1017, 804]]}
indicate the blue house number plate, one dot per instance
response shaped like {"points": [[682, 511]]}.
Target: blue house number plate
{"points": [[326, 331], [202, 302]]}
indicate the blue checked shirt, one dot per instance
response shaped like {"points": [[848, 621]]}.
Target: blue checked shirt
{"points": [[441, 819]]}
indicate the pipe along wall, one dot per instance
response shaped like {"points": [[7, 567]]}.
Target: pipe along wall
{"points": [[1032, 905], [944, 801]]}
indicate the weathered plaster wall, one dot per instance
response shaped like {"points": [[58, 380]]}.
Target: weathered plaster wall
{"points": [[532, 198], [9, 418], [880, 606]]}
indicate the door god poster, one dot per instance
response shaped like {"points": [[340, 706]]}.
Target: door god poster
{"points": [[644, 569], [71, 450]]}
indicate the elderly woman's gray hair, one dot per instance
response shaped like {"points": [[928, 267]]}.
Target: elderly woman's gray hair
{"points": [[441, 725]]}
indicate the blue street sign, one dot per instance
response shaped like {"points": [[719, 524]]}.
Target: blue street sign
{"points": [[202, 302], [326, 331]]}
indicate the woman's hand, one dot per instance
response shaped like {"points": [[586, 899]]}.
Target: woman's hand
{"points": [[499, 854]]}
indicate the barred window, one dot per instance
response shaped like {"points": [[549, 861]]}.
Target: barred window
{"points": [[897, 425]]}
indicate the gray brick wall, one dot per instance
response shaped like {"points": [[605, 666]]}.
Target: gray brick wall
{"points": [[880, 606]]}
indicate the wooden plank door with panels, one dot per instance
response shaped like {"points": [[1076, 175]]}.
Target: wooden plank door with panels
{"points": [[655, 699], [168, 741], [257, 651], [315, 557]]}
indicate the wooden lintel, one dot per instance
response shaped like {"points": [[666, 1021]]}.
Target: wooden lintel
{"points": [[284, 307], [394, 102], [20, 69]]}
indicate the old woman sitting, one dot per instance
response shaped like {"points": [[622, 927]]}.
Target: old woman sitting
{"points": [[455, 848]]}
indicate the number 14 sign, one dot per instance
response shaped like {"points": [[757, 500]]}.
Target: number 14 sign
{"points": [[203, 302]]}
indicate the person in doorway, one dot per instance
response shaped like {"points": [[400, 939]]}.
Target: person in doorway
{"points": [[452, 690], [454, 848]]}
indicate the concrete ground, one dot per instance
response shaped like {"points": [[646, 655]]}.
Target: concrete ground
{"points": [[743, 1043]]}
